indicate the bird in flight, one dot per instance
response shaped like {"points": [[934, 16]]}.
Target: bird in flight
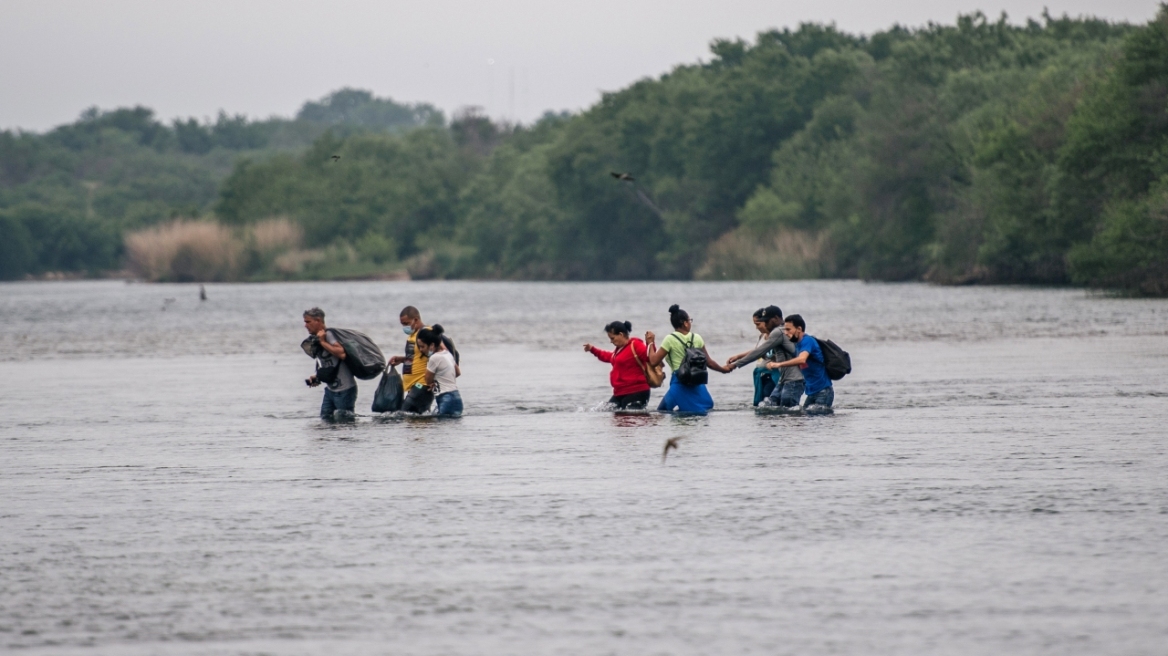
{"points": [[623, 177], [671, 443], [336, 157]]}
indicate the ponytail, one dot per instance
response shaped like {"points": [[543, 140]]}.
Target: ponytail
{"points": [[619, 328], [431, 335]]}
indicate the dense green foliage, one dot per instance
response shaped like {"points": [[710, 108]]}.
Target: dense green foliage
{"points": [[66, 197], [974, 152]]}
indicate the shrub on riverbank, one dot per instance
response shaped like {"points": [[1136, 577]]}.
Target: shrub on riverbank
{"points": [[184, 251], [206, 251]]}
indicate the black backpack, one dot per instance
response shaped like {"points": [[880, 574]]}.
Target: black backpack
{"points": [[836, 361], [693, 365]]}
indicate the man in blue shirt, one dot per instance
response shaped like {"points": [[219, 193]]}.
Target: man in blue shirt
{"points": [[809, 359]]}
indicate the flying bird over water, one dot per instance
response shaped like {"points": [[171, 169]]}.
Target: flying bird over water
{"points": [[671, 443], [623, 177], [336, 157]]}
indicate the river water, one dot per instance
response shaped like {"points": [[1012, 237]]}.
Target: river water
{"points": [[994, 479]]}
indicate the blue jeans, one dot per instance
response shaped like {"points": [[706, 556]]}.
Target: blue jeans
{"points": [[449, 404], [824, 397], [788, 394], [346, 400]]}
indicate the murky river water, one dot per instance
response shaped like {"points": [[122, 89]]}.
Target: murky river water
{"points": [[994, 480]]}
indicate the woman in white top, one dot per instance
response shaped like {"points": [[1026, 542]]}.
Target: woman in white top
{"points": [[441, 372]]}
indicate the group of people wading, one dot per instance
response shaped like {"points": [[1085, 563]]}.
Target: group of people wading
{"points": [[788, 364], [429, 376]]}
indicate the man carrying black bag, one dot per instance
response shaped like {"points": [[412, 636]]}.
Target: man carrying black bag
{"points": [[340, 394]]}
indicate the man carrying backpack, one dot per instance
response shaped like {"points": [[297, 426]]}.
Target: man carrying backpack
{"points": [[809, 359], [340, 393]]}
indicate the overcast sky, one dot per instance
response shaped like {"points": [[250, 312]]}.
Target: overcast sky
{"points": [[516, 59]]}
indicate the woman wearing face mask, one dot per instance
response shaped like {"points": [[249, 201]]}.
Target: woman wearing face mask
{"points": [[630, 390], [441, 371], [414, 362]]}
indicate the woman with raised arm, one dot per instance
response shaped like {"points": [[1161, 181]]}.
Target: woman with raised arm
{"points": [[630, 390], [684, 351]]}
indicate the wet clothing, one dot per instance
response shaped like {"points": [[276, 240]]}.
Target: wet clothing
{"points": [[414, 366], [333, 401], [776, 348], [634, 401], [344, 379], [814, 370], [627, 377], [787, 394], [449, 403], [675, 345], [765, 382], [441, 364], [693, 399], [823, 398]]}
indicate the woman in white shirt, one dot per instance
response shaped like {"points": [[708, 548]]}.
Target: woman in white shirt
{"points": [[441, 372]]}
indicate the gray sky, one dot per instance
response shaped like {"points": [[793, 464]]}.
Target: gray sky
{"points": [[516, 59]]}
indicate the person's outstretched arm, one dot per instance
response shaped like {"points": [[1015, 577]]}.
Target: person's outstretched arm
{"points": [[793, 362], [713, 364], [602, 355], [750, 356]]}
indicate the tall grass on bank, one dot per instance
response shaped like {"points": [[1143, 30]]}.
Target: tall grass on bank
{"points": [[786, 254], [184, 251], [205, 251]]}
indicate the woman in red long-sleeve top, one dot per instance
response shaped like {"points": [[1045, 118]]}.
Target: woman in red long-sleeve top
{"points": [[630, 390]]}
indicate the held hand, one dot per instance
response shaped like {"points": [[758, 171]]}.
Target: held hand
{"points": [[732, 360], [650, 337], [729, 364]]}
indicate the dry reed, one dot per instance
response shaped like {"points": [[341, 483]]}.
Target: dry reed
{"points": [[787, 254], [184, 251], [274, 236]]}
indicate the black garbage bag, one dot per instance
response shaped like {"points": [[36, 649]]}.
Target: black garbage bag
{"points": [[327, 365], [362, 355], [388, 397]]}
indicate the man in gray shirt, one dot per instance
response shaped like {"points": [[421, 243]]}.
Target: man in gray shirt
{"points": [[340, 393], [776, 348]]}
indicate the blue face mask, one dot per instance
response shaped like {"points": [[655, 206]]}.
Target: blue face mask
{"points": [[409, 330]]}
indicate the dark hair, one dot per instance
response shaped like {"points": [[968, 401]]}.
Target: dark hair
{"points": [[772, 312], [619, 328], [677, 316], [759, 314], [315, 313], [411, 312], [797, 321], [431, 335]]}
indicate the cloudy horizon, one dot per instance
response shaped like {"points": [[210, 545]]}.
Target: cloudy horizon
{"points": [[516, 61]]}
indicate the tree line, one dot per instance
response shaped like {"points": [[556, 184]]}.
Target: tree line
{"points": [[978, 152]]}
